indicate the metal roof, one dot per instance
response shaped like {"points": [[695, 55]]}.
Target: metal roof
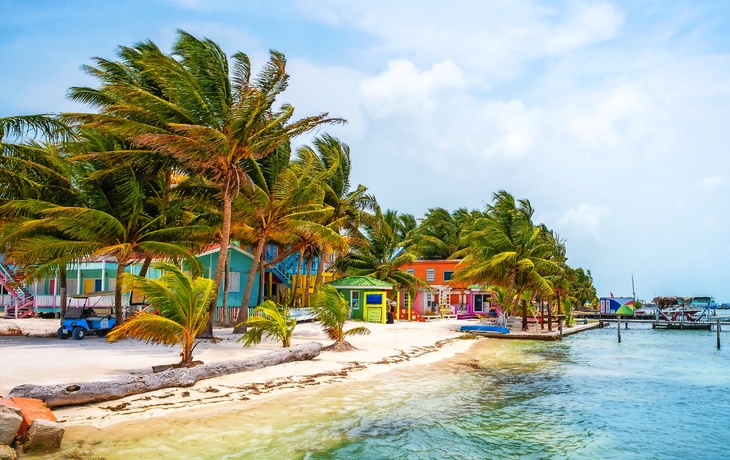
{"points": [[360, 282]]}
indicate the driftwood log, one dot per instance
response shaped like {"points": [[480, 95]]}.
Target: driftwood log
{"points": [[93, 392]]}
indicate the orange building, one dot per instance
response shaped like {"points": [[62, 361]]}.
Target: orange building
{"points": [[453, 297]]}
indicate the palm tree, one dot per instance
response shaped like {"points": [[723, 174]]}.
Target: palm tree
{"points": [[113, 221], [21, 127], [379, 255], [332, 311], [582, 288], [37, 171], [284, 208], [439, 234], [331, 158], [182, 306], [190, 107], [506, 249], [273, 321]]}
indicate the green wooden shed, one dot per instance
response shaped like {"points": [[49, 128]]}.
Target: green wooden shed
{"points": [[367, 297]]}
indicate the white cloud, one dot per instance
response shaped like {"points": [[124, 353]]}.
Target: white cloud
{"points": [[585, 219], [404, 86], [515, 128], [607, 118], [496, 37]]}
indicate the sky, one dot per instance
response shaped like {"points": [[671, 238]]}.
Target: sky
{"points": [[612, 118]]}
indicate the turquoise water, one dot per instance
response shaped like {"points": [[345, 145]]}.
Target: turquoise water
{"points": [[657, 395]]}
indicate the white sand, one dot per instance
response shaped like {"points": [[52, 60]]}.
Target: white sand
{"points": [[43, 360]]}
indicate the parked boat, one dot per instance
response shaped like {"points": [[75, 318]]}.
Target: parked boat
{"points": [[484, 328]]}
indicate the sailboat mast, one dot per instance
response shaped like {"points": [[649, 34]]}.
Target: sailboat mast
{"points": [[633, 290]]}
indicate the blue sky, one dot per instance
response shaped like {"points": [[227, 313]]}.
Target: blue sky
{"points": [[613, 118]]}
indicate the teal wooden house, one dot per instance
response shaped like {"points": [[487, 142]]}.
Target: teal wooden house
{"points": [[44, 296], [367, 297]]}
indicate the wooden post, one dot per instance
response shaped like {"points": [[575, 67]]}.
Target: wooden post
{"points": [[560, 328], [550, 316], [718, 334], [618, 327], [626, 324]]}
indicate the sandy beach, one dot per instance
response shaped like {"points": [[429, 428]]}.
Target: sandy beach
{"points": [[40, 358]]}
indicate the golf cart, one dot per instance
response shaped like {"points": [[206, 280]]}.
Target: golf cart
{"points": [[88, 316]]}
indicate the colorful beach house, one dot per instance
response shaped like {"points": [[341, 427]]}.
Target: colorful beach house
{"points": [[239, 264], [368, 297], [443, 293], [43, 297]]}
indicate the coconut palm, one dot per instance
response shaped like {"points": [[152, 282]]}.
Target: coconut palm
{"points": [[506, 249], [215, 121], [439, 233], [332, 311], [181, 303], [114, 221], [379, 255], [272, 321], [284, 208], [582, 288], [330, 157], [36, 171]]}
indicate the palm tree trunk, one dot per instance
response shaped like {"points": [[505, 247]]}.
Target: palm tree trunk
{"points": [[262, 279], [240, 327], [223, 320], [187, 346], [510, 287], [320, 266], [308, 281], [118, 313], [222, 258], [560, 310], [145, 266], [524, 315], [62, 278], [295, 280]]}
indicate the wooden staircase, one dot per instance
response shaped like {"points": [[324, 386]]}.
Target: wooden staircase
{"points": [[21, 301]]}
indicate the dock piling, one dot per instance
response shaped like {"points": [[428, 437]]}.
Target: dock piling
{"points": [[560, 328], [618, 328], [718, 334]]}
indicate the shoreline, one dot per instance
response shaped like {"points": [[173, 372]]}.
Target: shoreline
{"points": [[388, 347]]}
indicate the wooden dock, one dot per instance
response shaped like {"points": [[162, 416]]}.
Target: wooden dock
{"points": [[549, 336], [675, 325], [682, 325]]}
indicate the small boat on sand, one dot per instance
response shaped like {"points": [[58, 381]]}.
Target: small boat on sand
{"points": [[484, 328]]}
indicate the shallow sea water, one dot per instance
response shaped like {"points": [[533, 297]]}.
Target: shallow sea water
{"points": [[657, 395]]}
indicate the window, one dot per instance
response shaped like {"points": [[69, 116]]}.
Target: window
{"points": [[430, 274], [374, 299], [411, 271], [430, 303], [406, 300], [448, 275], [354, 300], [482, 302], [234, 281], [92, 285]]}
